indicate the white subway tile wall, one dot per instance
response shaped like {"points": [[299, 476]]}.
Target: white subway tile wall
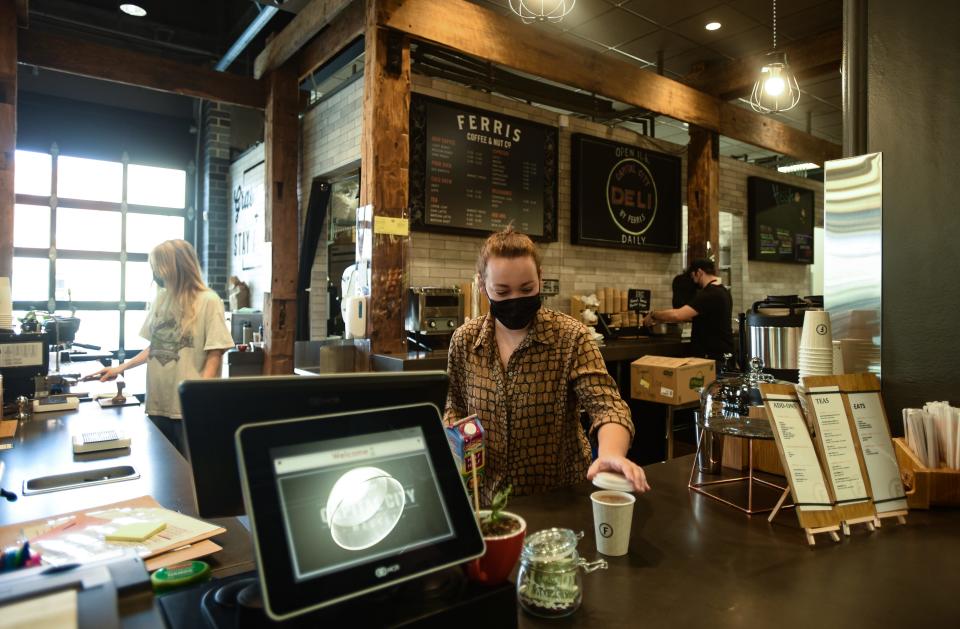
{"points": [[330, 140], [441, 259]]}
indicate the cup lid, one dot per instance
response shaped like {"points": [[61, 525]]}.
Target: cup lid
{"points": [[613, 482]]}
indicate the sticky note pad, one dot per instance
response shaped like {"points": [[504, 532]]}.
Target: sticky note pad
{"points": [[137, 532]]}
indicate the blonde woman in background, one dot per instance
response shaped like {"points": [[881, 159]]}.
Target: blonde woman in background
{"points": [[186, 333]]}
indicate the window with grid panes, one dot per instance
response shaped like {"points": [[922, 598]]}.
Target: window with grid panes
{"points": [[82, 232]]}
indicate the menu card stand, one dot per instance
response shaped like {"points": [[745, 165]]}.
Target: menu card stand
{"points": [[815, 506], [868, 423], [842, 458]]}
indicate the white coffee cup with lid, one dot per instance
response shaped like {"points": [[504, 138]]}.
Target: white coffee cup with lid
{"points": [[612, 520]]}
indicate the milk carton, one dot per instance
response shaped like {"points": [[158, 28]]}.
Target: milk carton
{"points": [[466, 438]]}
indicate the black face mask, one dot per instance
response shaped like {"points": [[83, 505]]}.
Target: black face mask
{"points": [[516, 313], [158, 280]]}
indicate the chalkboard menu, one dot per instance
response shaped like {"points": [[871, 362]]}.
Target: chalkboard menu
{"points": [[780, 218], [474, 171], [638, 299], [624, 196]]}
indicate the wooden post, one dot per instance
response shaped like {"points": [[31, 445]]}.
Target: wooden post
{"points": [[703, 194], [281, 139], [385, 157], [8, 130]]}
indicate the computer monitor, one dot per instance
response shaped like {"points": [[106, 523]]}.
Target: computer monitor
{"points": [[345, 504], [214, 409]]}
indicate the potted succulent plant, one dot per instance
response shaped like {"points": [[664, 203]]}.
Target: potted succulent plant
{"points": [[503, 534]]}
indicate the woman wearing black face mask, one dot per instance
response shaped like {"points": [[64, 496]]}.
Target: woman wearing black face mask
{"points": [[526, 371]]}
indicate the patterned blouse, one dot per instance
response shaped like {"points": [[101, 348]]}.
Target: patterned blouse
{"points": [[530, 411]]}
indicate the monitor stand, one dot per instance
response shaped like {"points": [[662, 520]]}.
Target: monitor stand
{"points": [[444, 598]]}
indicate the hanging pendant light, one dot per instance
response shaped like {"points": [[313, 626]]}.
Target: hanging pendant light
{"points": [[776, 89], [541, 10]]}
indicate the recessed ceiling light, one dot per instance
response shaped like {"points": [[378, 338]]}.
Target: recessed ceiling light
{"points": [[713, 26], [133, 9]]}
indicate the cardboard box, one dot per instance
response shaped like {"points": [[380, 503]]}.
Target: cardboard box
{"points": [[466, 443], [670, 380]]}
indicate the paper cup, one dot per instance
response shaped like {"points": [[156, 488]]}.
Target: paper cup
{"points": [[612, 518], [817, 333], [6, 300], [838, 359]]}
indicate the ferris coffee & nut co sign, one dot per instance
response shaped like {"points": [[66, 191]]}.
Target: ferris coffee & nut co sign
{"points": [[624, 196]]}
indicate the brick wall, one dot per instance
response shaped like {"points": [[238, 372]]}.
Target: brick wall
{"points": [[752, 281], [330, 135], [440, 259], [331, 140], [213, 235]]}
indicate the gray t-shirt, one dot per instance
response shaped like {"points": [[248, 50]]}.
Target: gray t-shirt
{"points": [[176, 355]]}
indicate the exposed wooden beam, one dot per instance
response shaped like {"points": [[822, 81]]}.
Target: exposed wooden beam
{"points": [[808, 58], [443, 63], [23, 13], [8, 131], [385, 161], [77, 56], [281, 149], [342, 30], [469, 28], [291, 39], [703, 193]]}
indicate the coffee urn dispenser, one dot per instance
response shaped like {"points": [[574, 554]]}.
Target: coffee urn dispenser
{"points": [[771, 332]]}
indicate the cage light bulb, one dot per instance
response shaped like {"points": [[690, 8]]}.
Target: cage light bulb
{"points": [[774, 86]]}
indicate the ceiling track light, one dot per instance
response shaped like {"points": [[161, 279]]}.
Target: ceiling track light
{"points": [[776, 88], [542, 10]]}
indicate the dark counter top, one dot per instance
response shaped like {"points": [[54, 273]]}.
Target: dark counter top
{"points": [[42, 447], [694, 562], [613, 351]]}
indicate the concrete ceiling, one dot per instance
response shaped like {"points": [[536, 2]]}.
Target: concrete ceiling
{"points": [[641, 30]]}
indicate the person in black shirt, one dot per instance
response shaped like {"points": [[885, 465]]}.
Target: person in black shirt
{"points": [[711, 312], [684, 290]]}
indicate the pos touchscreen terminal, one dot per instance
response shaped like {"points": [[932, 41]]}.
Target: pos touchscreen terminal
{"points": [[344, 504]]}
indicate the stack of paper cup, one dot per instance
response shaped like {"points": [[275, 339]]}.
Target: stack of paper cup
{"points": [[6, 305], [816, 345], [838, 358]]}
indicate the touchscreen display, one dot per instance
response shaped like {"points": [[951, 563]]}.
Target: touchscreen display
{"points": [[348, 501]]}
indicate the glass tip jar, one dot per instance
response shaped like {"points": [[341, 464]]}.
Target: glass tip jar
{"points": [[549, 582]]}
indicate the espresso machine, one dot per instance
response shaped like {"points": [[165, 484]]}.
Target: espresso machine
{"points": [[24, 361], [433, 313]]}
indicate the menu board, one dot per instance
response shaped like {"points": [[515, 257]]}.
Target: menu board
{"points": [[624, 196], [638, 300], [781, 219], [475, 172]]}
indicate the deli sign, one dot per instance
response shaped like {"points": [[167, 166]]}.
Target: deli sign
{"points": [[624, 196]]}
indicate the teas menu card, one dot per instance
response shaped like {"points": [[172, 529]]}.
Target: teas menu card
{"points": [[839, 450]]}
